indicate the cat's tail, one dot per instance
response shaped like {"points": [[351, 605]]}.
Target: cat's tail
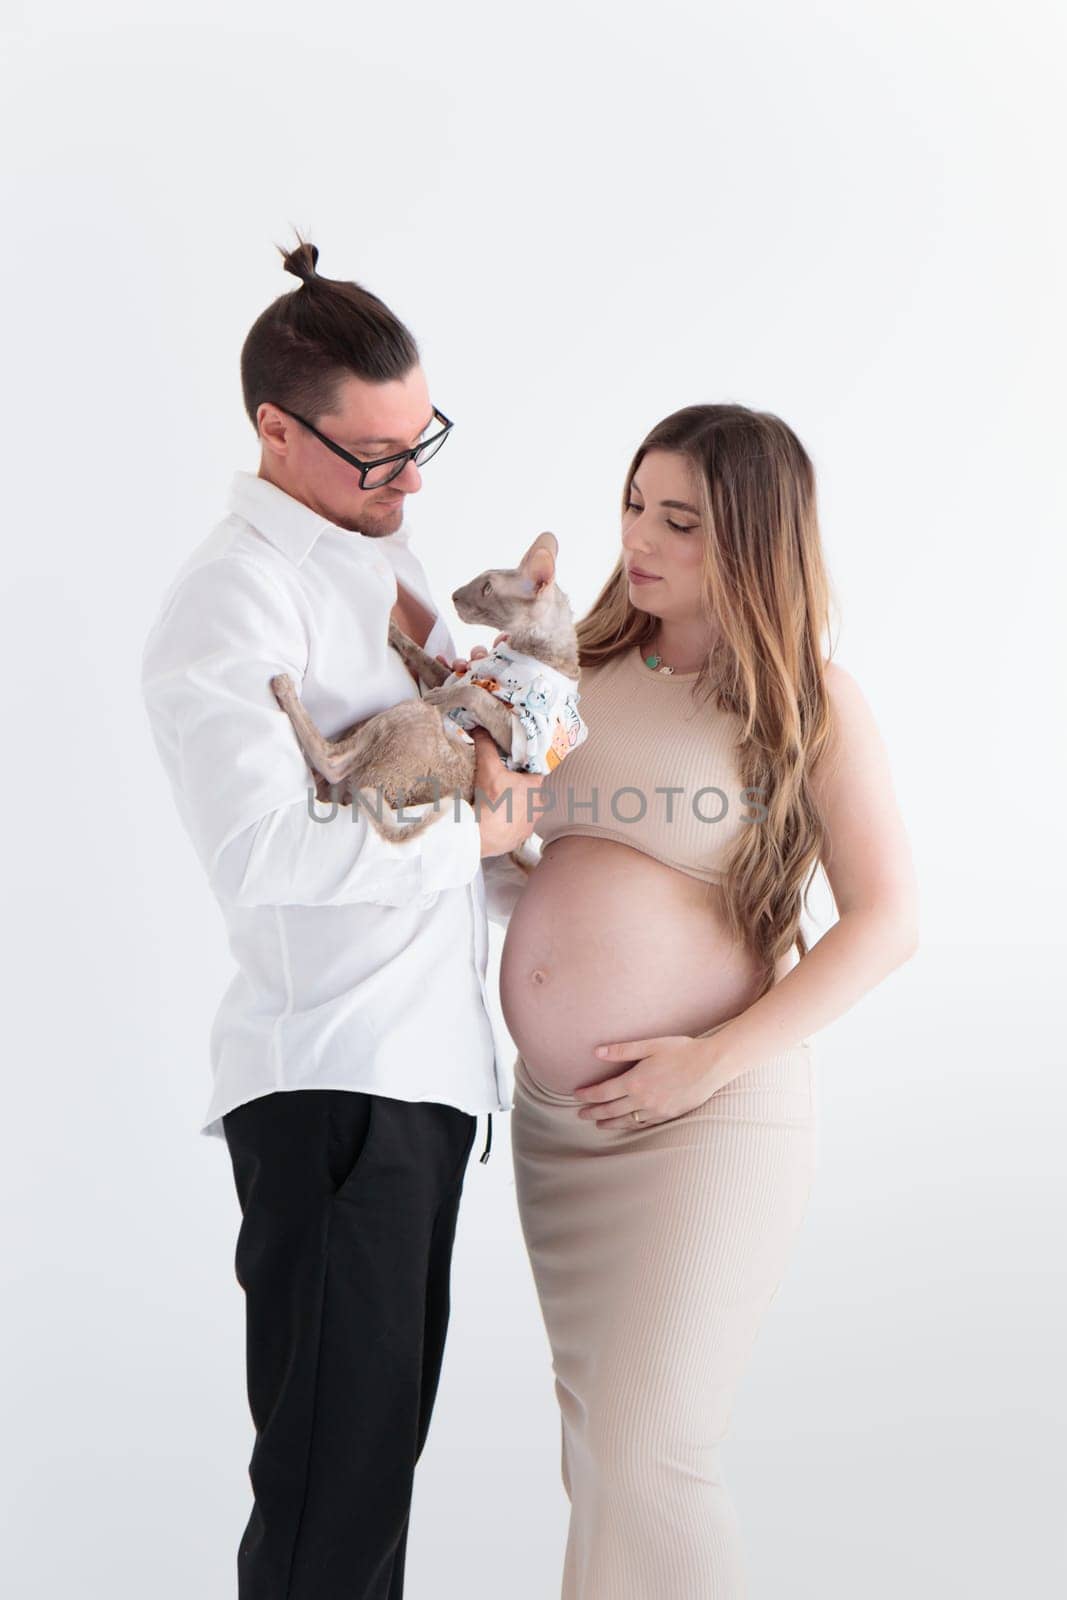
{"points": [[396, 833]]}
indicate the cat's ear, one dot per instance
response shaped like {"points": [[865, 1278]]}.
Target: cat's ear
{"points": [[539, 562]]}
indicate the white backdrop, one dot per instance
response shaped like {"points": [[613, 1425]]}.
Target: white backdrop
{"points": [[841, 212]]}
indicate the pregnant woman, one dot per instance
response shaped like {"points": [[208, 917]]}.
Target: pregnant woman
{"points": [[661, 992]]}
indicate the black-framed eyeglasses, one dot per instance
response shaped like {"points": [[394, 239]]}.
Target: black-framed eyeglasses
{"points": [[373, 474]]}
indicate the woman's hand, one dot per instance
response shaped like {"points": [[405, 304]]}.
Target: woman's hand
{"points": [[670, 1076], [460, 664]]}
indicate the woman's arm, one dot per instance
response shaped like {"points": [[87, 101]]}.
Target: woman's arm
{"points": [[868, 863]]}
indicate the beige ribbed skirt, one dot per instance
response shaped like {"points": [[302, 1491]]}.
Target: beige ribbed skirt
{"points": [[656, 1253]]}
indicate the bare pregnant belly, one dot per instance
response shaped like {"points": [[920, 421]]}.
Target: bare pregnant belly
{"points": [[607, 944]]}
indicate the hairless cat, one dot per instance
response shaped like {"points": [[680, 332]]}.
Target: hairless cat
{"points": [[411, 752]]}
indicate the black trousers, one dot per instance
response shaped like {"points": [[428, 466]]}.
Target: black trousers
{"points": [[349, 1203]]}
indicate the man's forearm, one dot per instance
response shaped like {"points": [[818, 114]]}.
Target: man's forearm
{"points": [[317, 854]]}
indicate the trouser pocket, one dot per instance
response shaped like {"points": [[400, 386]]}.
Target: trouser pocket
{"points": [[350, 1125]]}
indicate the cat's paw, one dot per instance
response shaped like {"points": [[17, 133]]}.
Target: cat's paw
{"points": [[282, 689]]}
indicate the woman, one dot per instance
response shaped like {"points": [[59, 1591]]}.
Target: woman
{"points": [[661, 1179]]}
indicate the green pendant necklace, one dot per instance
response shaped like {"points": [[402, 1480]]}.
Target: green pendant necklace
{"points": [[655, 662]]}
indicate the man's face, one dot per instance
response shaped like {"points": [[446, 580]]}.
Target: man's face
{"points": [[370, 420]]}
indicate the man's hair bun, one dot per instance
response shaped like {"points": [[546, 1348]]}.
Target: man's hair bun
{"points": [[301, 261], [299, 351]]}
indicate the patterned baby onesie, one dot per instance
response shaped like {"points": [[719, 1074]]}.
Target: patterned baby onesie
{"points": [[544, 702]]}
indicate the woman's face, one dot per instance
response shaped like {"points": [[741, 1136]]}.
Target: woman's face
{"points": [[662, 535]]}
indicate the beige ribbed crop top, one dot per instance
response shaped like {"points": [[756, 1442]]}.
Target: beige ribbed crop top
{"points": [[648, 735]]}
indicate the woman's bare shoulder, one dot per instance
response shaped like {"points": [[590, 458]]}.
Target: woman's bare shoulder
{"points": [[851, 714], [854, 749], [839, 680], [867, 855]]}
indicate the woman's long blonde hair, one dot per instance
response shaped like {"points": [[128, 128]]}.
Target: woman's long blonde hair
{"points": [[765, 585]]}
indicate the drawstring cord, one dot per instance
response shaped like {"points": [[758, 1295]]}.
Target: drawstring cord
{"points": [[488, 1139]]}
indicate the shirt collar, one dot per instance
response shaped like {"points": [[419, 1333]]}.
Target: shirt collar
{"points": [[291, 526]]}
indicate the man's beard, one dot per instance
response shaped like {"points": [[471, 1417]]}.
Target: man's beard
{"points": [[379, 524]]}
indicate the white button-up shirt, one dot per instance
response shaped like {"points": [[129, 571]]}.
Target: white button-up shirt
{"points": [[361, 962]]}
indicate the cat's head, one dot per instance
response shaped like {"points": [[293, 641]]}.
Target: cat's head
{"points": [[526, 602]]}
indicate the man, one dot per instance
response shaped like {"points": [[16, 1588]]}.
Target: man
{"points": [[353, 1050]]}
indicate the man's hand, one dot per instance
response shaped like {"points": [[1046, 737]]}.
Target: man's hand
{"points": [[491, 780]]}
